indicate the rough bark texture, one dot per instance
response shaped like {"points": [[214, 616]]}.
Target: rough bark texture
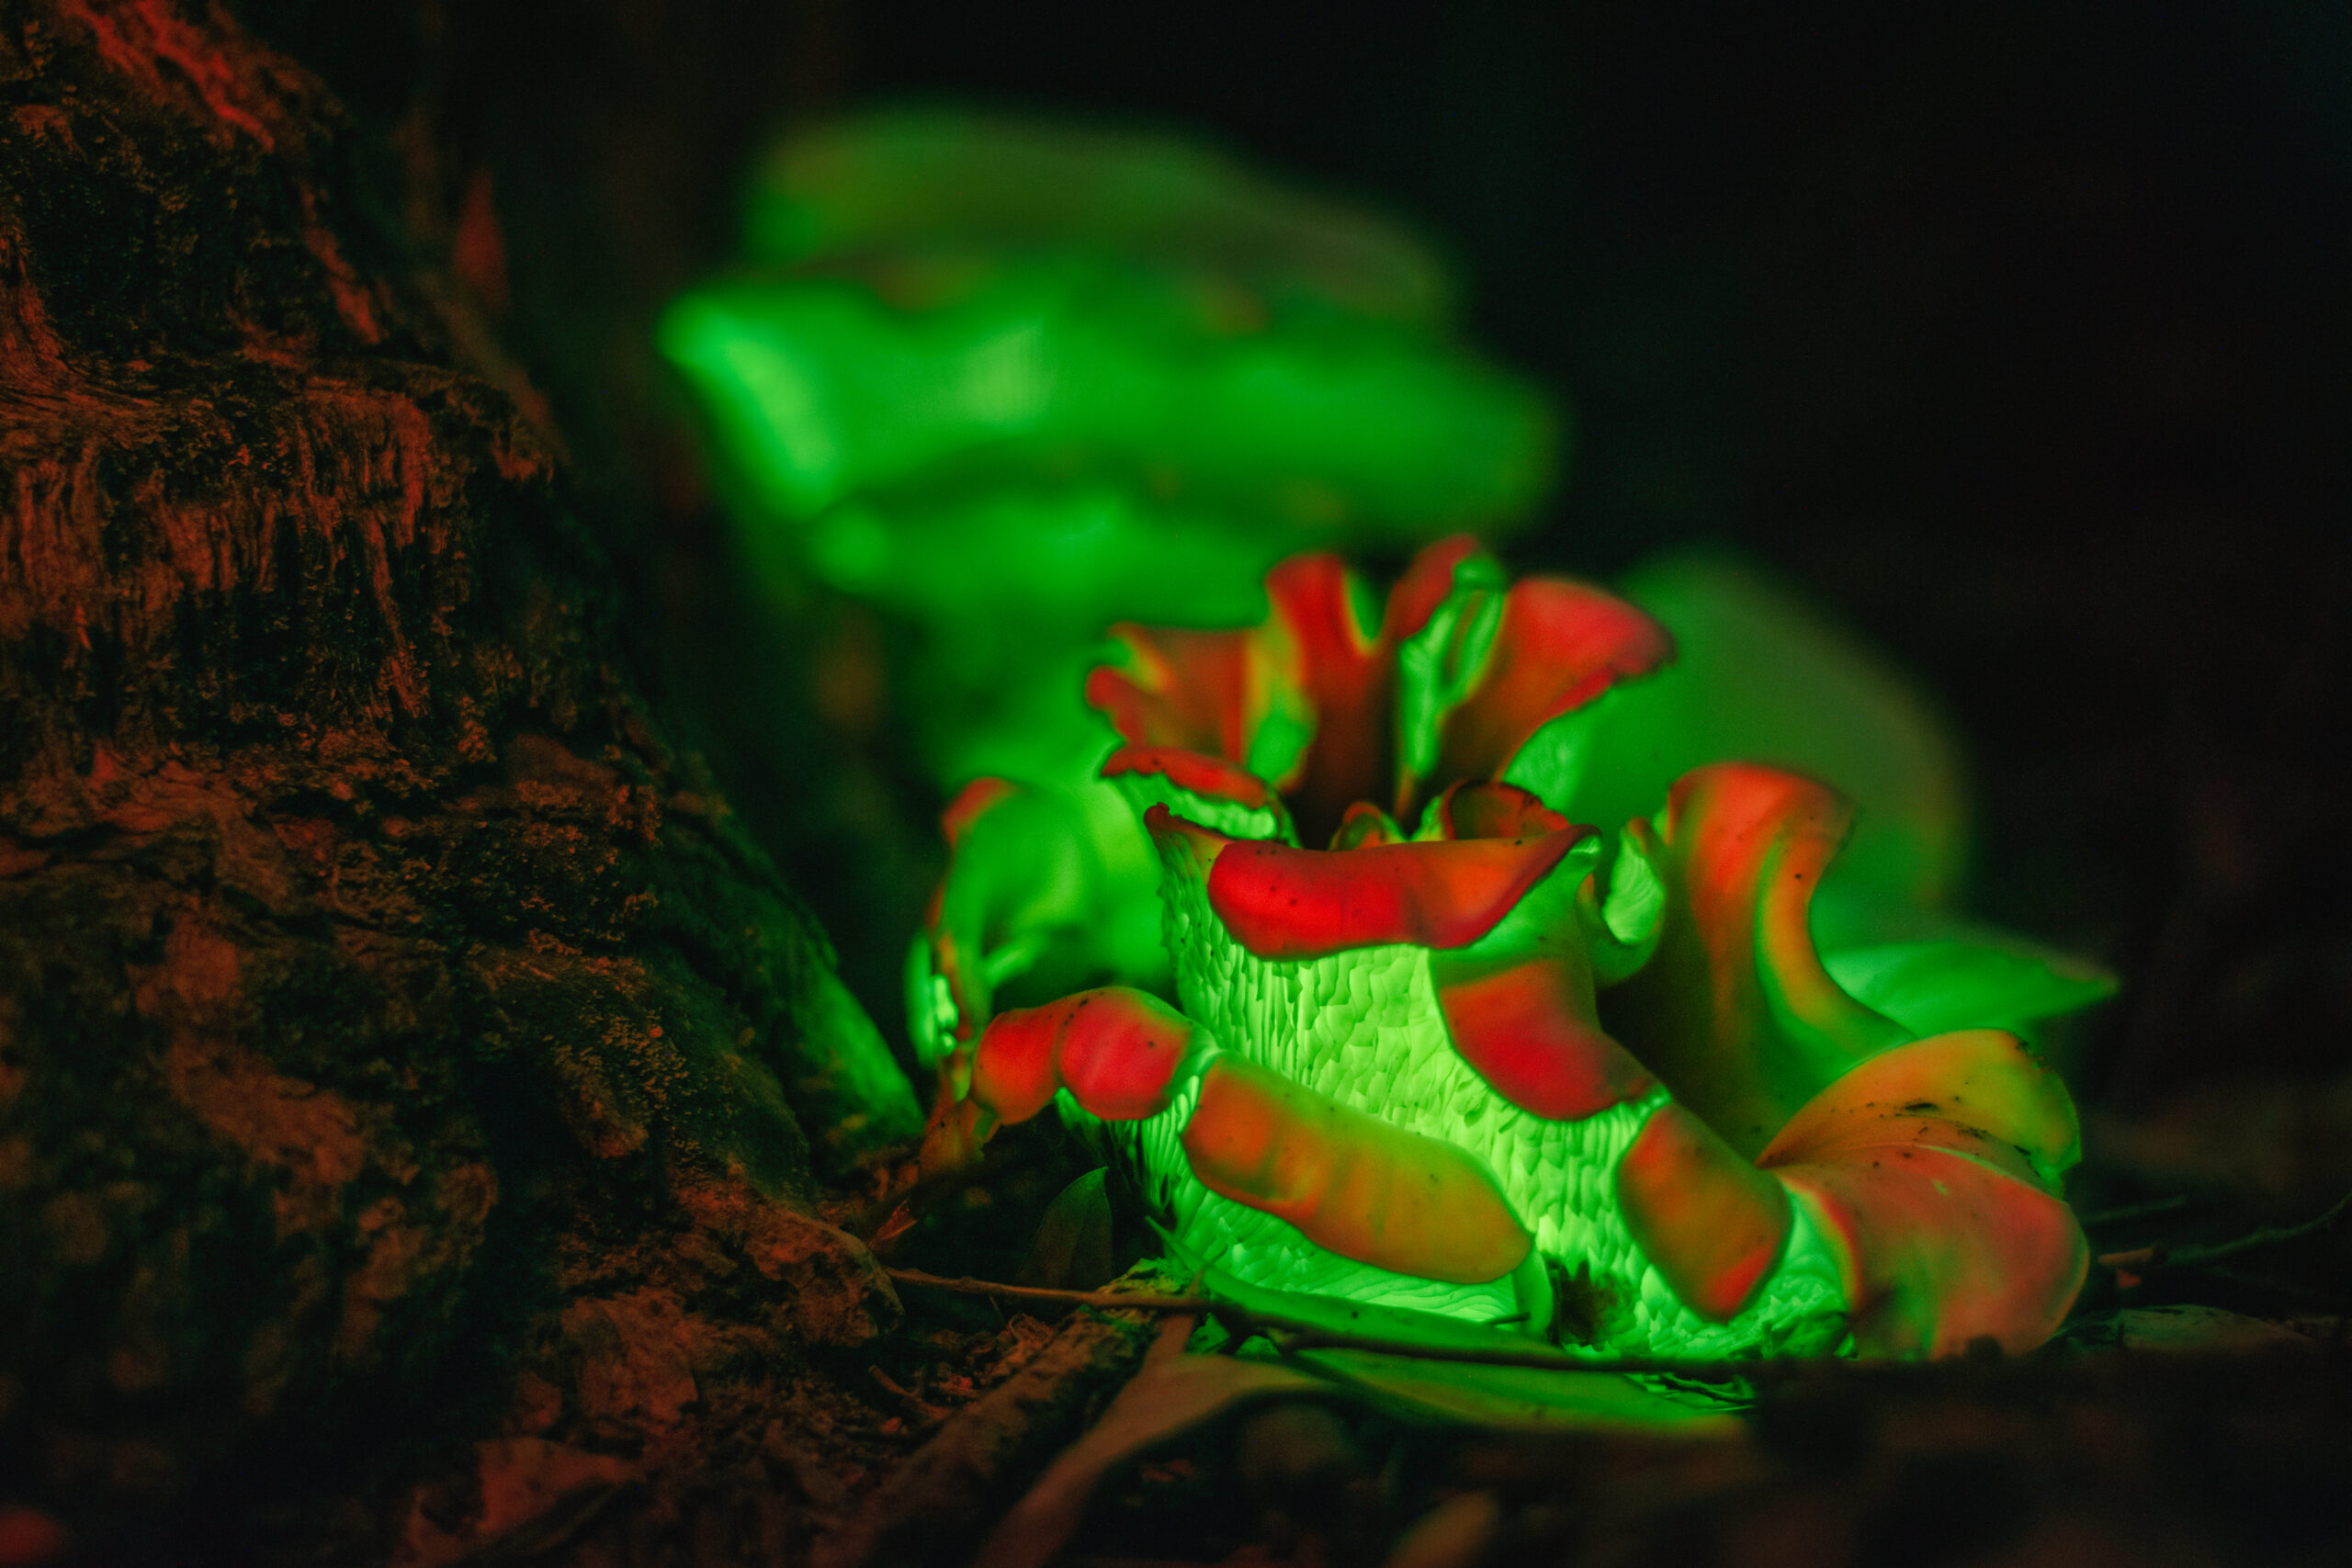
{"points": [[397, 1042]]}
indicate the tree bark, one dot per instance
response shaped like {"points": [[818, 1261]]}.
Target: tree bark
{"points": [[400, 1044]]}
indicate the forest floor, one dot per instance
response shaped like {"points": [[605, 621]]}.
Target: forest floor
{"points": [[2189, 1413]]}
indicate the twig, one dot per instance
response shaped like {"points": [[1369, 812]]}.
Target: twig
{"points": [[922, 1407], [967, 1286], [1296, 1341], [2146, 1260], [1290, 1336], [2148, 1209], [2293, 1293]]}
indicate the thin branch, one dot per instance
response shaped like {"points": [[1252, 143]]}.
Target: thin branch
{"points": [[1295, 1341], [1292, 1336], [922, 1407], [2293, 1293], [2146, 1260], [1139, 1301], [2148, 1209]]}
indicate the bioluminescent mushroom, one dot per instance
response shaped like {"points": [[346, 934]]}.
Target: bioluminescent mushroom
{"points": [[1439, 1044]]}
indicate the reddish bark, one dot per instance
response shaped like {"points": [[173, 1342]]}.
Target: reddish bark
{"points": [[397, 1041]]}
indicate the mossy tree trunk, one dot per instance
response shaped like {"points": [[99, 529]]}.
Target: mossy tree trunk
{"points": [[399, 1045]]}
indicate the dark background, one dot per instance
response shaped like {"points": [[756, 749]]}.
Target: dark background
{"points": [[2015, 333]]}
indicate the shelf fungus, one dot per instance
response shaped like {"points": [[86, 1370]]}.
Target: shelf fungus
{"points": [[1437, 1042]]}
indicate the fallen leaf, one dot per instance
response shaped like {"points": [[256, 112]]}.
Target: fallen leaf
{"points": [[529, 1495], [1454, 1534], [1521, 1398], [2190, 1329], [1163, 1401]]}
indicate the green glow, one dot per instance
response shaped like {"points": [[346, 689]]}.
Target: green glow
{"points": [[1489, 1396], [1014, 382], [1636, 899], [1729, 875], [1145, 790], [927, 180], [1437, 666], [1758, 676], [1930, 987], [1114, 374], [1055, 885], [1032, 367], [1364, 1027]]}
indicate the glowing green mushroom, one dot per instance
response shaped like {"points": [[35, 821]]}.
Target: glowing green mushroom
{"points": [[1510, 1062], [1518, 971], [1012, 382]]}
